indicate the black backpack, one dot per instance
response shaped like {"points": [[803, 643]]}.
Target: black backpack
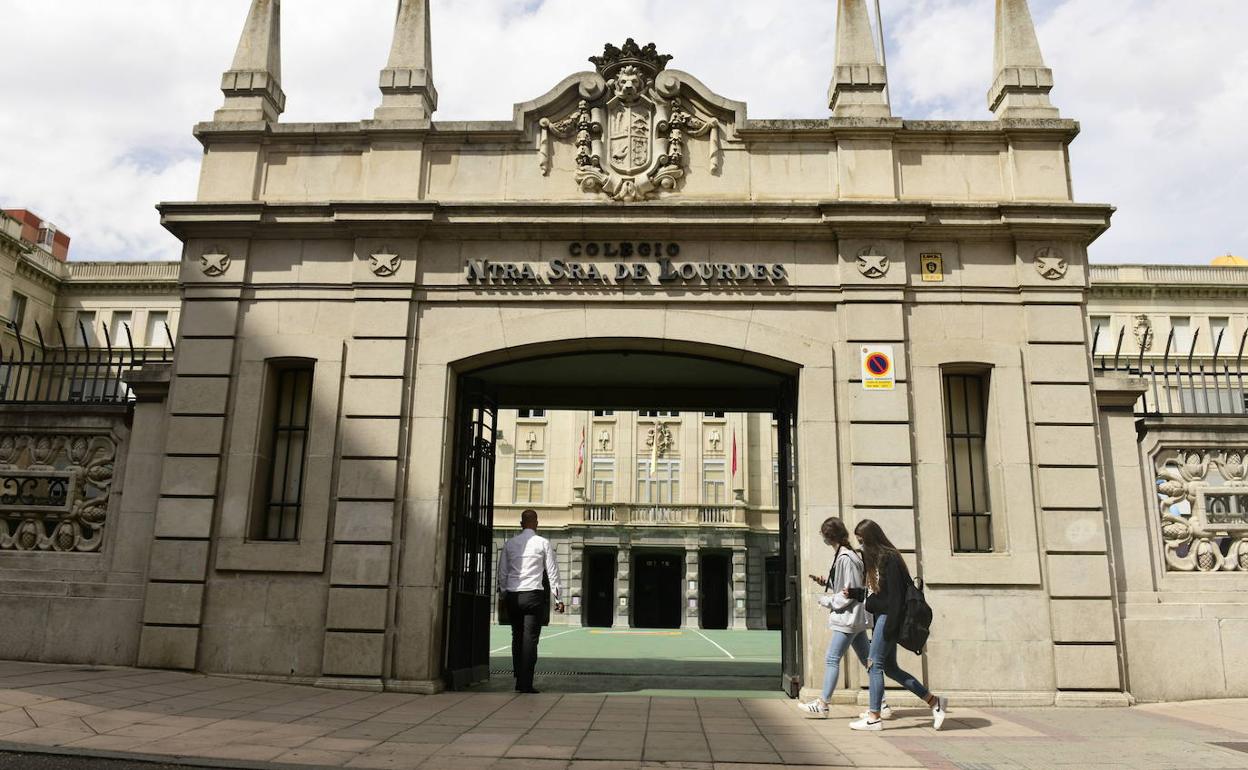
{"points": [[916, 623]]}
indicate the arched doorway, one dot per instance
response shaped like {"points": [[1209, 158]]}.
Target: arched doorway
{"points": [[616, 378]]}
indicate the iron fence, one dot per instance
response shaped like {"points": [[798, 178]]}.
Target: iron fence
{"points": [[1184, 383], [58, 372]]}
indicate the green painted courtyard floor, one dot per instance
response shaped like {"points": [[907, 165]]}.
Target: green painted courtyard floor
{"points": [[646, 661]]}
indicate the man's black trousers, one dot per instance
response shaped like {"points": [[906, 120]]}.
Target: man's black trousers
{"points": [[527, 610]]}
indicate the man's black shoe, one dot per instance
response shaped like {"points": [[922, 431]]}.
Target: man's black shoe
{"points": [[528, 691]]}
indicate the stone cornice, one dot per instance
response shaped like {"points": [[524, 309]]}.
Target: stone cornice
{"points": [[665, 219], [1186, 281], [769, 130]]}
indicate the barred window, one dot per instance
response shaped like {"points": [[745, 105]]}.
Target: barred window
{"points": [[1102, 337], [714, 486], [119, 331], [284, 454], [660, 413], [17, 311], [84, 327], [529, 480], [602, 480], [966, 408], [530, 414], [157, 329], [660, 486]]}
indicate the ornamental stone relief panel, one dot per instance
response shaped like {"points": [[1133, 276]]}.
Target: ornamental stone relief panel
{"points": [[54, 491], [630, 127], [1202, 498]]}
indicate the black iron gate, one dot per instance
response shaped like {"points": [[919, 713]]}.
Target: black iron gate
{"points": [[790, 608], [470, 584]]}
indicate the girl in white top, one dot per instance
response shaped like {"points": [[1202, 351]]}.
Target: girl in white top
{"points": [[847, 617]]}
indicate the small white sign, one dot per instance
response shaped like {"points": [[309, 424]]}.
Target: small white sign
{"points": [[878, 370]]}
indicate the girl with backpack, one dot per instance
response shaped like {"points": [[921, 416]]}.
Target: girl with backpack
{"points": [[887, 580], [846, 616]]}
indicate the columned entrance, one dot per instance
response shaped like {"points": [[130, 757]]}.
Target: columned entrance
{"points": [[642, 583]]}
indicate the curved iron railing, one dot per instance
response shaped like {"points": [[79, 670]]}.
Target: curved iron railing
{"points": [[82, 373], [1183, 383]]}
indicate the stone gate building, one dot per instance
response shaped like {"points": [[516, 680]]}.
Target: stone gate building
{"points": [[311, 497]]}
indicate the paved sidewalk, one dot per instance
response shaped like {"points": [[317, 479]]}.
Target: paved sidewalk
{"points": [[237, 723]]}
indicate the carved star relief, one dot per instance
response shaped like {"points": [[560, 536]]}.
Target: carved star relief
{"points": [[1051, 264], [384, 263], [872, 265], [214, 262]]}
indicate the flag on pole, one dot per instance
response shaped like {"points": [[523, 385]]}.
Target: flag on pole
{"points": [[580, 454], [734, 453]]}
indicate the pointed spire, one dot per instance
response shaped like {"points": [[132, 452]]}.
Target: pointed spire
{"points": [[407, 91], [252, 86], [1022, 85], [859, 79]]}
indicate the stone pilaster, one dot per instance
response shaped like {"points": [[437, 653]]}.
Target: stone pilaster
{"points": [[623, 583], [252, 85], [1022, 83], [576, 580], [740, 607], [692, 608]]}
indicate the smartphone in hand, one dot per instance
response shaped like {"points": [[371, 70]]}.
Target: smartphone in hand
{"points": [[820, 580]]}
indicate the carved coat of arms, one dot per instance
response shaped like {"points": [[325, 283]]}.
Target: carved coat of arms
{"points": [[630, 131]]}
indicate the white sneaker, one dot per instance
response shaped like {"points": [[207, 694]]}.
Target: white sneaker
{"points": [[867, 724], [885, 713], [814, 708], [939, 712]]}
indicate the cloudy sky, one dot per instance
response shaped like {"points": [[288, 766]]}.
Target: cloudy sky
{"points": [[97, 128]]}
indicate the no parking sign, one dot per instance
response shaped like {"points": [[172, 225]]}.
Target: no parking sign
{"points": [[877, 367]]}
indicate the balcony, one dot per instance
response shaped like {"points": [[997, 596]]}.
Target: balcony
{"points": [[660, 515]]}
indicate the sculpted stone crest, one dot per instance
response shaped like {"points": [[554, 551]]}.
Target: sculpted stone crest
{"points": [[1051, 264], [630, 128], [871, 264], [214, 262], [384, 263]]}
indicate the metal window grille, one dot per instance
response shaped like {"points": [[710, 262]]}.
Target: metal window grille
{"points": [[966, 407], [530, 414], [292, 409], [529, 479], [604, 412], [602, 481], [714, 486]]}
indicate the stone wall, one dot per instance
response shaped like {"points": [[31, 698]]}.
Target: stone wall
{"points": [[1179, 576], [76, 517]]}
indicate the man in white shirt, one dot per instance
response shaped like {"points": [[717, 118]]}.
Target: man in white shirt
{"points": [[522, 562]]}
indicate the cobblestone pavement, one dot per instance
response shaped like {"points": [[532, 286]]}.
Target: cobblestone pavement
{"points": [[224, 722]]}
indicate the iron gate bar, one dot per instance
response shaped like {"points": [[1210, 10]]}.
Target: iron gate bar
{"points": [[59, 373], [1183, 383]]}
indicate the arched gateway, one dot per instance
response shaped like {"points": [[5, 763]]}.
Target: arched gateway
{"points": [[906, 296]]}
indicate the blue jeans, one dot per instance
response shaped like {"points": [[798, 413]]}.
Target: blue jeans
{"points": [[882, 659], [836, 650]]}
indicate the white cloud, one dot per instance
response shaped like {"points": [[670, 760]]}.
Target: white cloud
{"points": [[104, 130]]}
